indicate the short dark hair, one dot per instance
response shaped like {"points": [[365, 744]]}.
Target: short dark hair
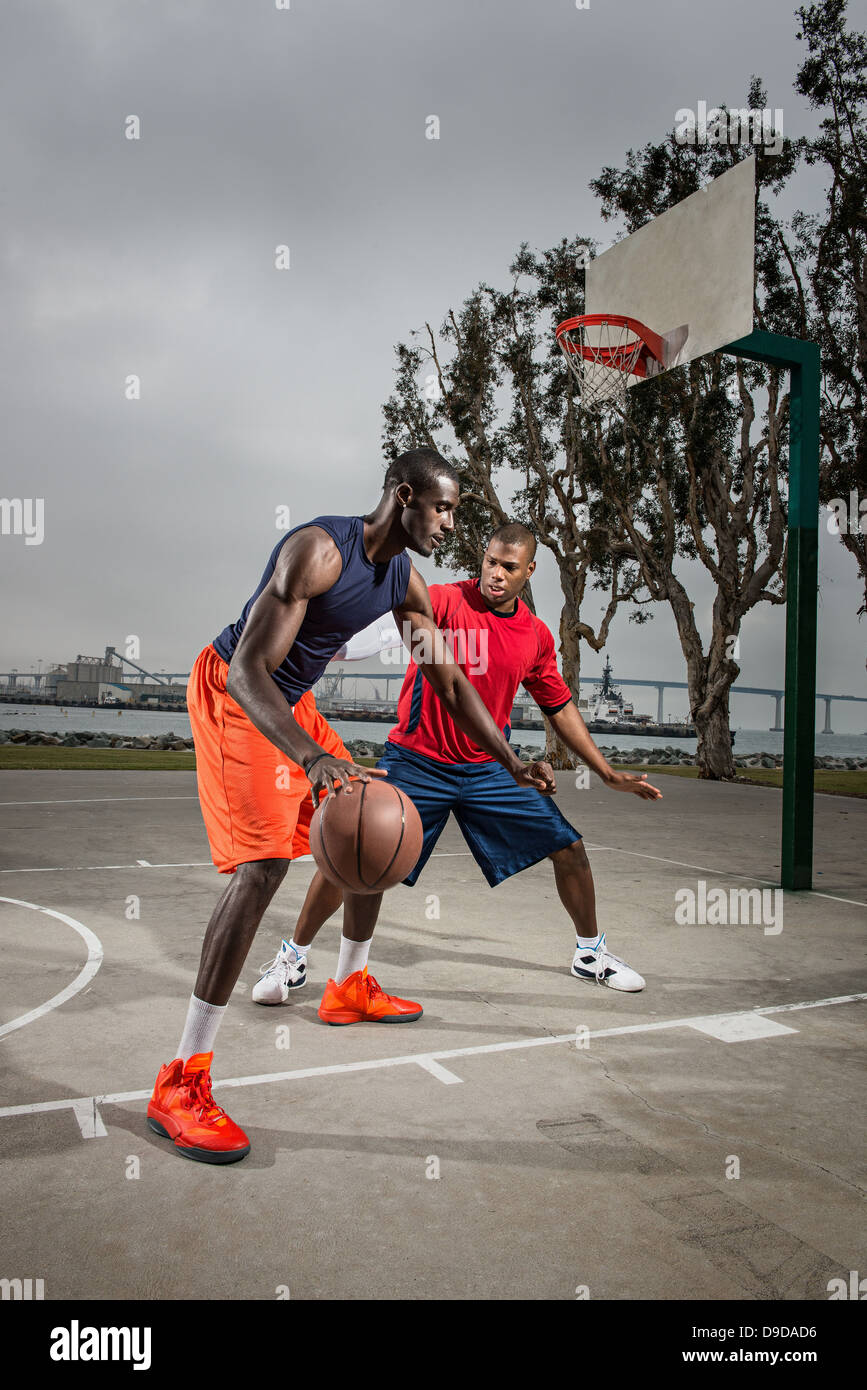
{"points": [[420, 468], [515, 533]]}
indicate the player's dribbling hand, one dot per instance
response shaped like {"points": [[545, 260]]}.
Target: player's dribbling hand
{"points": [[538, 775], [633, 782], [327, 774]]}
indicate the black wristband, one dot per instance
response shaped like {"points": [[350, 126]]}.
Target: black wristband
{"points": [[307, 766]]}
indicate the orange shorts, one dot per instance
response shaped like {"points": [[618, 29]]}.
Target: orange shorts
{"points": [[255, 802]]}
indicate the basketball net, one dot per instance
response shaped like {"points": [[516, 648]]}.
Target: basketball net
{"points": [[601, 357]]}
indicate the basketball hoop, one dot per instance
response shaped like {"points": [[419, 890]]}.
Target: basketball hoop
{"points": [[603, 351]]}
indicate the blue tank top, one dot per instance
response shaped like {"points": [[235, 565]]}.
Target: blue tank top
{"points": [[363, 593]]}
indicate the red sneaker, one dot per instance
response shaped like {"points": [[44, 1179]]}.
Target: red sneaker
{"points": [[182, 1108], [360, 1000]]}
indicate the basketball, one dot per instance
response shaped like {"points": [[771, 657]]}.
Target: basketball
{"points": [[367, 841]]}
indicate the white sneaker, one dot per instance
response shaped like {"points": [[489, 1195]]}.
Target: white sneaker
{"points": [[287, 971], [597, 965]]}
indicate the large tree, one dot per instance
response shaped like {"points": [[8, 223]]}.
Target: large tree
{"points": [[452, 391], [831, 255], [698, 469], [687, 475]]}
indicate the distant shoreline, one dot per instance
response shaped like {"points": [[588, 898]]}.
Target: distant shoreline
{"points": [[348, 715], [62, 719], [174, 707], [97, 739]]}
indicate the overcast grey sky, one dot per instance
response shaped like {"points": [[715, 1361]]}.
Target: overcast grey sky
{"points": [[261, 387]]}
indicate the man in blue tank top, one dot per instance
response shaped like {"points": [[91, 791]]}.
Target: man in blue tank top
{"points": [[255, 726]]}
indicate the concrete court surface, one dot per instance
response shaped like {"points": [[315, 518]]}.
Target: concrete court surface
{"points": [[703, 1142]]}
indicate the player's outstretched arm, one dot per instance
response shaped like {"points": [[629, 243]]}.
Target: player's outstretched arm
{"points": [[570, 727], [309, 564], [429, 650]]}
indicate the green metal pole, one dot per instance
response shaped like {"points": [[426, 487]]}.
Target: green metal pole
{"points": [[802, 574], [801, 588]]}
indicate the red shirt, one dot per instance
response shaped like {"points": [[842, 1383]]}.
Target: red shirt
{"points": [[497, 652]]}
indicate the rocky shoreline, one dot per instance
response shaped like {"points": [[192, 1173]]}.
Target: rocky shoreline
{"points": [[676, 757], [364, 748], [651, 757], [86, 738]]}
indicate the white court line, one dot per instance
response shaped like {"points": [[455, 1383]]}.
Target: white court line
{"points": [[89, 1120], [86, 1107], [833, 899], [87, 800], [679, 863], [722, 873], [810, 1004], [451, 854], [438, 854], [741, 1027], [442, 1074], [92, 868], [196, 864], [85, 974]]}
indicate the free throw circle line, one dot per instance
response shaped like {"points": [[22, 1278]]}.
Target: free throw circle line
{"points": [[84, 976]]}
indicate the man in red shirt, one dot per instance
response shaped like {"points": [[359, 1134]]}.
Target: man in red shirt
{"points": [[500, 645]]}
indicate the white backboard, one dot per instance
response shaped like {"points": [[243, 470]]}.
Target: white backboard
{"points": [[688, 273]]}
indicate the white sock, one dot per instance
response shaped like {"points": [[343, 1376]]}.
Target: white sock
{"points": [[200, 1029], [587, 943], [292, 945], [353, 956]]}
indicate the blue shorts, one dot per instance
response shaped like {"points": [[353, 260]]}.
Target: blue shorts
{"points": [[507, 827]]}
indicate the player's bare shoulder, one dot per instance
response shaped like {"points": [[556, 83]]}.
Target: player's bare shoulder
{"points": [[309, 563]]}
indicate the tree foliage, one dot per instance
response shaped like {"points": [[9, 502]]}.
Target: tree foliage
{"points": [[831, 250]]}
